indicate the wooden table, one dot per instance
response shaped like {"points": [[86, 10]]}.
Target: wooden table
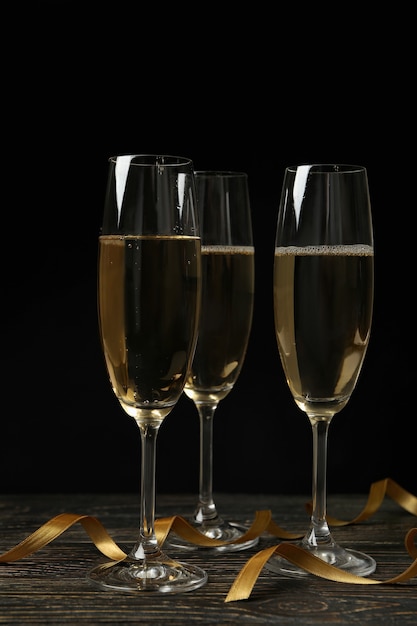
{"points": [[49, 586]]}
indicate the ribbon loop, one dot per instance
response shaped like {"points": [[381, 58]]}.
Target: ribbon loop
{"points": [[177, 524], [247, 577], [55, 527], [377, 493]]}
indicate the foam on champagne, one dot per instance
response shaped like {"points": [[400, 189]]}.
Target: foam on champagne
{"points": [[358, 249]]}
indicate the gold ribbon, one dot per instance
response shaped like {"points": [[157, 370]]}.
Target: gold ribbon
{"points": [[163, 526], [55, 527], [263, 522], [177, 524], [377, 493], [247, 577]]}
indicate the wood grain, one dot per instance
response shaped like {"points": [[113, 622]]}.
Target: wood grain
{"points": [[50, 586]]}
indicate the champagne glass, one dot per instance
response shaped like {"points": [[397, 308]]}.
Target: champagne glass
{"points": [[323, 300], [227, 255], [149, 292]]}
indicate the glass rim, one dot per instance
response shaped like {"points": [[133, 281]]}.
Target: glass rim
{"points": [[152, 160], [327, 168]]}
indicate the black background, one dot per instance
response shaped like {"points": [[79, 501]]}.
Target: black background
{"points": [[253, 91]]}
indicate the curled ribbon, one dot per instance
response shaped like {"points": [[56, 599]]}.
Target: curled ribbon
{"points": [[377, 493], [55, 527], [263, 522], [247, 577], [181, 527]]}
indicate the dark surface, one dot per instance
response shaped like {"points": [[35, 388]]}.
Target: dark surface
{"points": [[49, 587], [230, 91]]}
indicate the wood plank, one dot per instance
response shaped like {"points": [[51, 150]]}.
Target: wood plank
{"points": [[50, 586]]}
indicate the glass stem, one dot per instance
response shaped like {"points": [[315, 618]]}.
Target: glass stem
{"points": [[206, 509], [319, 533], [147, 544]]}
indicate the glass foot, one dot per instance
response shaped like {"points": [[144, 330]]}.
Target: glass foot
{"points": [[162, 575], [351, 561], [229, 531]]}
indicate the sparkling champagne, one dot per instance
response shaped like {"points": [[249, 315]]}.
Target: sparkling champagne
{"points": [[148, 289], [323, 309], [225, 321]]}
